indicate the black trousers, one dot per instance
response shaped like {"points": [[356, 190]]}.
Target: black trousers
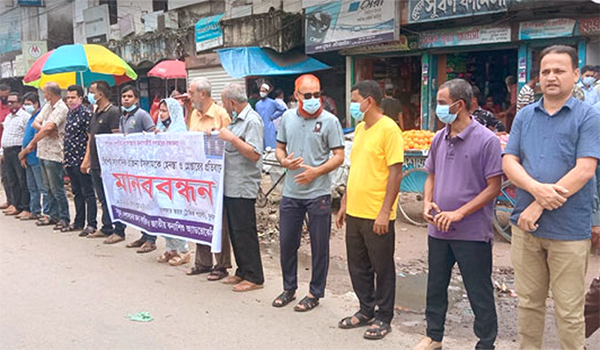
{"points": [[7, 192], [372, 267], [16, 178], [241, 218], [291, 217], [475, 263], [107, 225], [83, 192]]}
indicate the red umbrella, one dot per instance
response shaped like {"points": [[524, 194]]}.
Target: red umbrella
{"points": [[169, 69]]}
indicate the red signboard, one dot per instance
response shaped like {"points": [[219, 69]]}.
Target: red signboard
{"points": [[589, 26]]}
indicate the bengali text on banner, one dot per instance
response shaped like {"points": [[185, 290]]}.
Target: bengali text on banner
{"points": [[165, 184]]}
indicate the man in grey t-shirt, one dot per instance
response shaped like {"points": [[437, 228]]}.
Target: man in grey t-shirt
{"points": [[135, 120], [306, 138]]}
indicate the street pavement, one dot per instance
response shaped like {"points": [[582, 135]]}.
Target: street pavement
{"points": [[59, 291]]}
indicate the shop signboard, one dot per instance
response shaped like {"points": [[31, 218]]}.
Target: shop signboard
{"points": [[435, 10], [549, 28], [465, 36], [32, 50], [404, 43], [10, 31], [349, 23], [589, 26], [30, 2], [97, 22], [209, 33]]}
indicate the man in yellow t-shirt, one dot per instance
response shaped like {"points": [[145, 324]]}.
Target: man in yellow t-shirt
{"points": [[369, 209]]}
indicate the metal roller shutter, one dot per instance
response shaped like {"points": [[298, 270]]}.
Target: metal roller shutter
{"points": [[217, 76]]}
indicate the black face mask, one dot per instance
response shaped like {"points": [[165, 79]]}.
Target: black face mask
{"points": [[4, 100], [167, 122]]}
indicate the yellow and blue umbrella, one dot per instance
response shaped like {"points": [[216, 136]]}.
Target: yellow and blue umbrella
{"points": [[80, 64]]}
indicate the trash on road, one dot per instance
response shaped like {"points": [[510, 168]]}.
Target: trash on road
{"points": [[142, 316]]}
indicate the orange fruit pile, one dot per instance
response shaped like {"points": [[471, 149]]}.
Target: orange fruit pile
{"points": [[417, 139]]}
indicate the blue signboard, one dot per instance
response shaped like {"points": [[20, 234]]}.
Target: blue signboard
{"points": [[31, 2], [435, 10], [10, 31], [208, 33]]}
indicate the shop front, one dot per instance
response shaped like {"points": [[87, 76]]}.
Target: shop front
{"points": [[396, 66]]}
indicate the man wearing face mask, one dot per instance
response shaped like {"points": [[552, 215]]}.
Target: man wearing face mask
{"points": [[269, 110], [12, 140], [49, 142], [243, 164], [588, 79], [76, 139], [136, 120], [304, 142], [31, 163], [369, 210], [4, 111], [105, 120], [465, 175]]}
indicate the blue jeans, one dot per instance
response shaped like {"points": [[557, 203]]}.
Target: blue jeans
{"points": [[37, 190], [52, 172]]}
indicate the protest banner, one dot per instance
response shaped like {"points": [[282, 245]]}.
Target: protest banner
{"points": [[165, 184]]}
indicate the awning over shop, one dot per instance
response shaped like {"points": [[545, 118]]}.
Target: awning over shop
{"points": [[242, 62]]}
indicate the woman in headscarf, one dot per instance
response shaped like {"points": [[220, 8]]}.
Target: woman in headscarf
{"points": [[170, 119]]}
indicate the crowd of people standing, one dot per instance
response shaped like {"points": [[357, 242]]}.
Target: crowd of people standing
{"points": [[552, 157]]}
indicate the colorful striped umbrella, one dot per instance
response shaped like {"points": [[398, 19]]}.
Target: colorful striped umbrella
{"points": [[79, 64]]}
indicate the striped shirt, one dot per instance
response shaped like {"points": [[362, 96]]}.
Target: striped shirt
{"points": [[526, 97]]}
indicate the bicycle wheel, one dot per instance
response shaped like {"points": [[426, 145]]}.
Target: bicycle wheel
{"points": [[410, 198], [503, 208]]}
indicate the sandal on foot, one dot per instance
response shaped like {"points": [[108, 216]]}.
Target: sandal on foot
{"points": [[180, 259], [284, 298], [71, 228], [136, 244], [306, 304], [377, 333], [233, 280], [346, 322], [217, 275], [147, 247], [166, 256], [246, 286], [195, 270], [46, 221]]}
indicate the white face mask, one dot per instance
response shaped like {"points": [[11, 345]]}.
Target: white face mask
{"points": [[263, 94]]}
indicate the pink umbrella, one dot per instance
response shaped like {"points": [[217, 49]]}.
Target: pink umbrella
{"points": [[169, 69]]}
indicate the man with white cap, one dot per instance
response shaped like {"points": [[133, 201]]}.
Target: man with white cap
{"points": [[269, 111]]}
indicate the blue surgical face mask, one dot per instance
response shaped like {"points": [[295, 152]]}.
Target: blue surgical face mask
{"points": [[29, 108], [312, 105], [588, 81], [128, 109], [355, 111], [444, 115], [234, 114], [91, 98]]}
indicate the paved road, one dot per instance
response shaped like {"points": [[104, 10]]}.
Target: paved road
{"points": [[60, 291]]}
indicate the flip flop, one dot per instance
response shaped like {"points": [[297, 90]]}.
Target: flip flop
{"points": [[246, 286]]}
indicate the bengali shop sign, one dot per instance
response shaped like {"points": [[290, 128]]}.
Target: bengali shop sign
{"points": [[465, 36], [549, 28], [434, 10], [589, 26], [165, 184]]}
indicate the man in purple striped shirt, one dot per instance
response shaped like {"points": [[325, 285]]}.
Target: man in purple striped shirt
{"points": [[465, 175]]}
